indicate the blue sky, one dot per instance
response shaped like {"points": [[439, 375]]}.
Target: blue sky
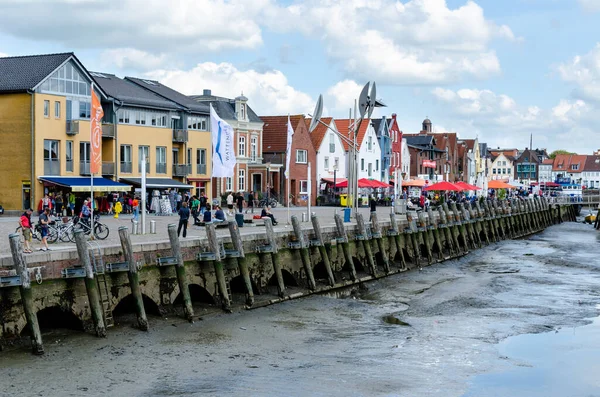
{"points": [[498, 70]]}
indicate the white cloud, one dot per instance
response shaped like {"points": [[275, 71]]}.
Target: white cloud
{"points": [[584, 72], [130, 58], [590, 5], [269, 92]]}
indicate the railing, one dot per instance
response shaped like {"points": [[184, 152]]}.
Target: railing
{"points": [[51, 167], [161, 168], [201, 168], [181, 169], [108, 130], [147, 167], [126, 167], [583, 200], [69, 165], [180, 136], [108, 168], [84, 168], [72, 127]]}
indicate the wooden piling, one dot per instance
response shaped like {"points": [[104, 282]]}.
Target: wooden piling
{"points": [[275, 256], [446, 231], [323, 249], [376, 230], [304, 254], [214, 247], [37, 346], [238, 245], [180, 270], [425, 236], [90, 284], [343, 238], [134, 280], [435, 232], [366, 243], [397, 239]]}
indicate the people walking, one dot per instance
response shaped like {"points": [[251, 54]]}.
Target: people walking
{"points": [[184, 216], [250, 205], [25, 223], [203, 202], [135, 205], [195, 207], [240, 202], [230, 204], [44, 222]]}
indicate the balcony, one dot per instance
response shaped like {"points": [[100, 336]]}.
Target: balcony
{"points": [[180, 136], [201, 169], [51, 167], [84, 168], [161, 168], [147, 167], [108, 168], [72, 127], [181, 169], [126, 167], [108, 130]]}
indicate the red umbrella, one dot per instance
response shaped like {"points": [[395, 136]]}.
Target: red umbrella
{"points": [[446, 186], [364, 182], [466, 186]]}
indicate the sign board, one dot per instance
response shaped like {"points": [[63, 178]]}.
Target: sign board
{"points": [[429, 163]]}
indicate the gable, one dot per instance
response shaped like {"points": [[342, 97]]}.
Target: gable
{"points": [[68, 79]]}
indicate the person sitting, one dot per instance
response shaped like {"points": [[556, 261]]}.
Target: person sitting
{"points": [[266, 213], [207, 216], [219, 215]]}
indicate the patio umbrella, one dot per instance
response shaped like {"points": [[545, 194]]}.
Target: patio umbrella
{"points": [[444, 186], [466, 186], [380, 184], [499, 185], [414, 183], [364, 182]]}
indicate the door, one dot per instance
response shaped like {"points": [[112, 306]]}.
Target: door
{"points": [[175, 156], [26, 187], [257, 182]]}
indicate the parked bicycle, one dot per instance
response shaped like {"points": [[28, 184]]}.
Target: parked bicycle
{"points": [[264, 202], [101, 231]]}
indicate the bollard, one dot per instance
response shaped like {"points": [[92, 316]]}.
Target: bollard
{"points": [[152, 227], [134, 280], [213, 246], [304, 217], [236, 239], [304, 255], [90, 284], [134, 227], [323, 248], [275, 257], [180, 270], [343, 236], [16, 250]]}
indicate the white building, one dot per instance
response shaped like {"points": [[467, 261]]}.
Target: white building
{"points": [[405, 158], [331, 152], [545, 171], [502, 168], [369, 155]]}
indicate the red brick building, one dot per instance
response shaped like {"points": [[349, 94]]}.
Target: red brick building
{"points": [[302, 153]]}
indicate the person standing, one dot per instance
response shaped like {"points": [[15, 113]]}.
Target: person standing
{"points": [[230, 203], [25, 223], [44, 222], [373, 206], [184, 216], [72, 204], [109, 201], [203, 202], [195, 206], [59, 204], [240, 202], [135, 205], [179, 201], [250, 203]]}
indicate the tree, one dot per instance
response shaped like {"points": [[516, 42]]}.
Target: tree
{"points": [[557, 152]]}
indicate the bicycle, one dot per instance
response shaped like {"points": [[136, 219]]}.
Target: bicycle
{"points": [[272, 202], [101, 231]]}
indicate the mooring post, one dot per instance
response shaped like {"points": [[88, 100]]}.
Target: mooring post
{"points": [[304, 254], [134, 280], [214, 247], [16, 250], [446, 231], [474, 215], [413, 237], [425, 236], [435, 232], [366, 243], [323, 249], [462, 233], [180, 270], [343, 238], [238, 245], [376, 230], [275, 256], [397, 239], [482, 222], [454, 231], [90, 284]]}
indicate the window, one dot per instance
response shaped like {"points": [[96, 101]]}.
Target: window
{"points": [[241, 180], [161, 160], [189, 158], [51, 157], [326, 164], [67, 80], [84, 158], [370, 143], [158, 119], [336, 163], [201, 161], [331, 143], [493, 170], [84, 110], [301, 156], [57, 110], [126, 158], [198, 123], [362, 164], [140, 118], [242, 111], [69, 152], [143, 153], [123, 116], [370, 170], [376, 165], [242, 146], [303, 187], [253, 148], [46, 108], [575, 167], [229, 184]]}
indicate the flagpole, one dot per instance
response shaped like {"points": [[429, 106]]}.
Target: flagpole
{"points": [[288, 199], [91, 173]]}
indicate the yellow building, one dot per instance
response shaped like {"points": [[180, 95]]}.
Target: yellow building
{"points": [[45, 133]]}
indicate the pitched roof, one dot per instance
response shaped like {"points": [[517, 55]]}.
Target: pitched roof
{"points": [[22, 73], [170, 94], [531, 155], [275, 132], [564, 162], [418, 139], [343, 126], [225, 107], [548, 161], [129, 93], [470, 143], [320, 131], [592, 163]]}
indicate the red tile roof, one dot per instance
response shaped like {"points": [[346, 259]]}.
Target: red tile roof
{"points": [[275, 131], [470, 143], [592, 163], [564, 162], [319, 133], [342, 126], [548, 161]]}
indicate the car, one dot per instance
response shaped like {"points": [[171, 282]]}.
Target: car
{"points": [[1, 210]]}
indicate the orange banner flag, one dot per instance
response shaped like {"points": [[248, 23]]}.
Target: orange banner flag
{"points": [[96, 135]]}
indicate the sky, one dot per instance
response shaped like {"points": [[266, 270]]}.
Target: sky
{"points": [[498, 70]]}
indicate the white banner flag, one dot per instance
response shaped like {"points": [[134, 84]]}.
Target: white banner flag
{"points": [[288, 149], [223, 159]]}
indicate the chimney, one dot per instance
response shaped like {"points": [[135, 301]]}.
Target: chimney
{"points": [[206, 92]]}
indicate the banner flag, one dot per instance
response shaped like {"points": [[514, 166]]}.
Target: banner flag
{"points": [[223, 159], [288, 149], [96, 135]]}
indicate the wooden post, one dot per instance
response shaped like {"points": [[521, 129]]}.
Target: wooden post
{"points": [[304, 254], [275, 257], [134, 280], [436, 233], [213, 246], [399, 245], [323, 249], [425, 236], [238, 245], [446, 230], [90, 284], [180, 270], [341, 231], [16, 250], [366, 243], [376, 229]]}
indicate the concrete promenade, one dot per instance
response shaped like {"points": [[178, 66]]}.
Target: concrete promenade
{"points": [[325, 214]]}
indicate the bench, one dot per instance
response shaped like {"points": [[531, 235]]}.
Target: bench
{"points": [[73, 272]]}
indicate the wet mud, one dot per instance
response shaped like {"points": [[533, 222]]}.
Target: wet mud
{"points": [[441, 331]]}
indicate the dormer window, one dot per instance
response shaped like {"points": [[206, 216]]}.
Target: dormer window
{"points": [[242, 111], [575, 167]]}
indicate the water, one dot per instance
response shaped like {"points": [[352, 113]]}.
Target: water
{"points": [[484, 325]]}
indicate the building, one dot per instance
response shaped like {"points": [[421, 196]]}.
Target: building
{"points": [[331, 154], [502, 164], [545, 171], [369, 154], [591, 172], [303, 153], [568, 168], [526, 166], [472, 159], [381, 127], [252, 172], [426, 161], [405, 160], [398, 144]]}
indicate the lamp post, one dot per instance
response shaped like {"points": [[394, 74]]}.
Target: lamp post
{"points": [[268, 181], [334, 182]]}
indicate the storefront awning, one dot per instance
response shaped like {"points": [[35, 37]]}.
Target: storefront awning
{"points": [[83, 183], [158, 183]]}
